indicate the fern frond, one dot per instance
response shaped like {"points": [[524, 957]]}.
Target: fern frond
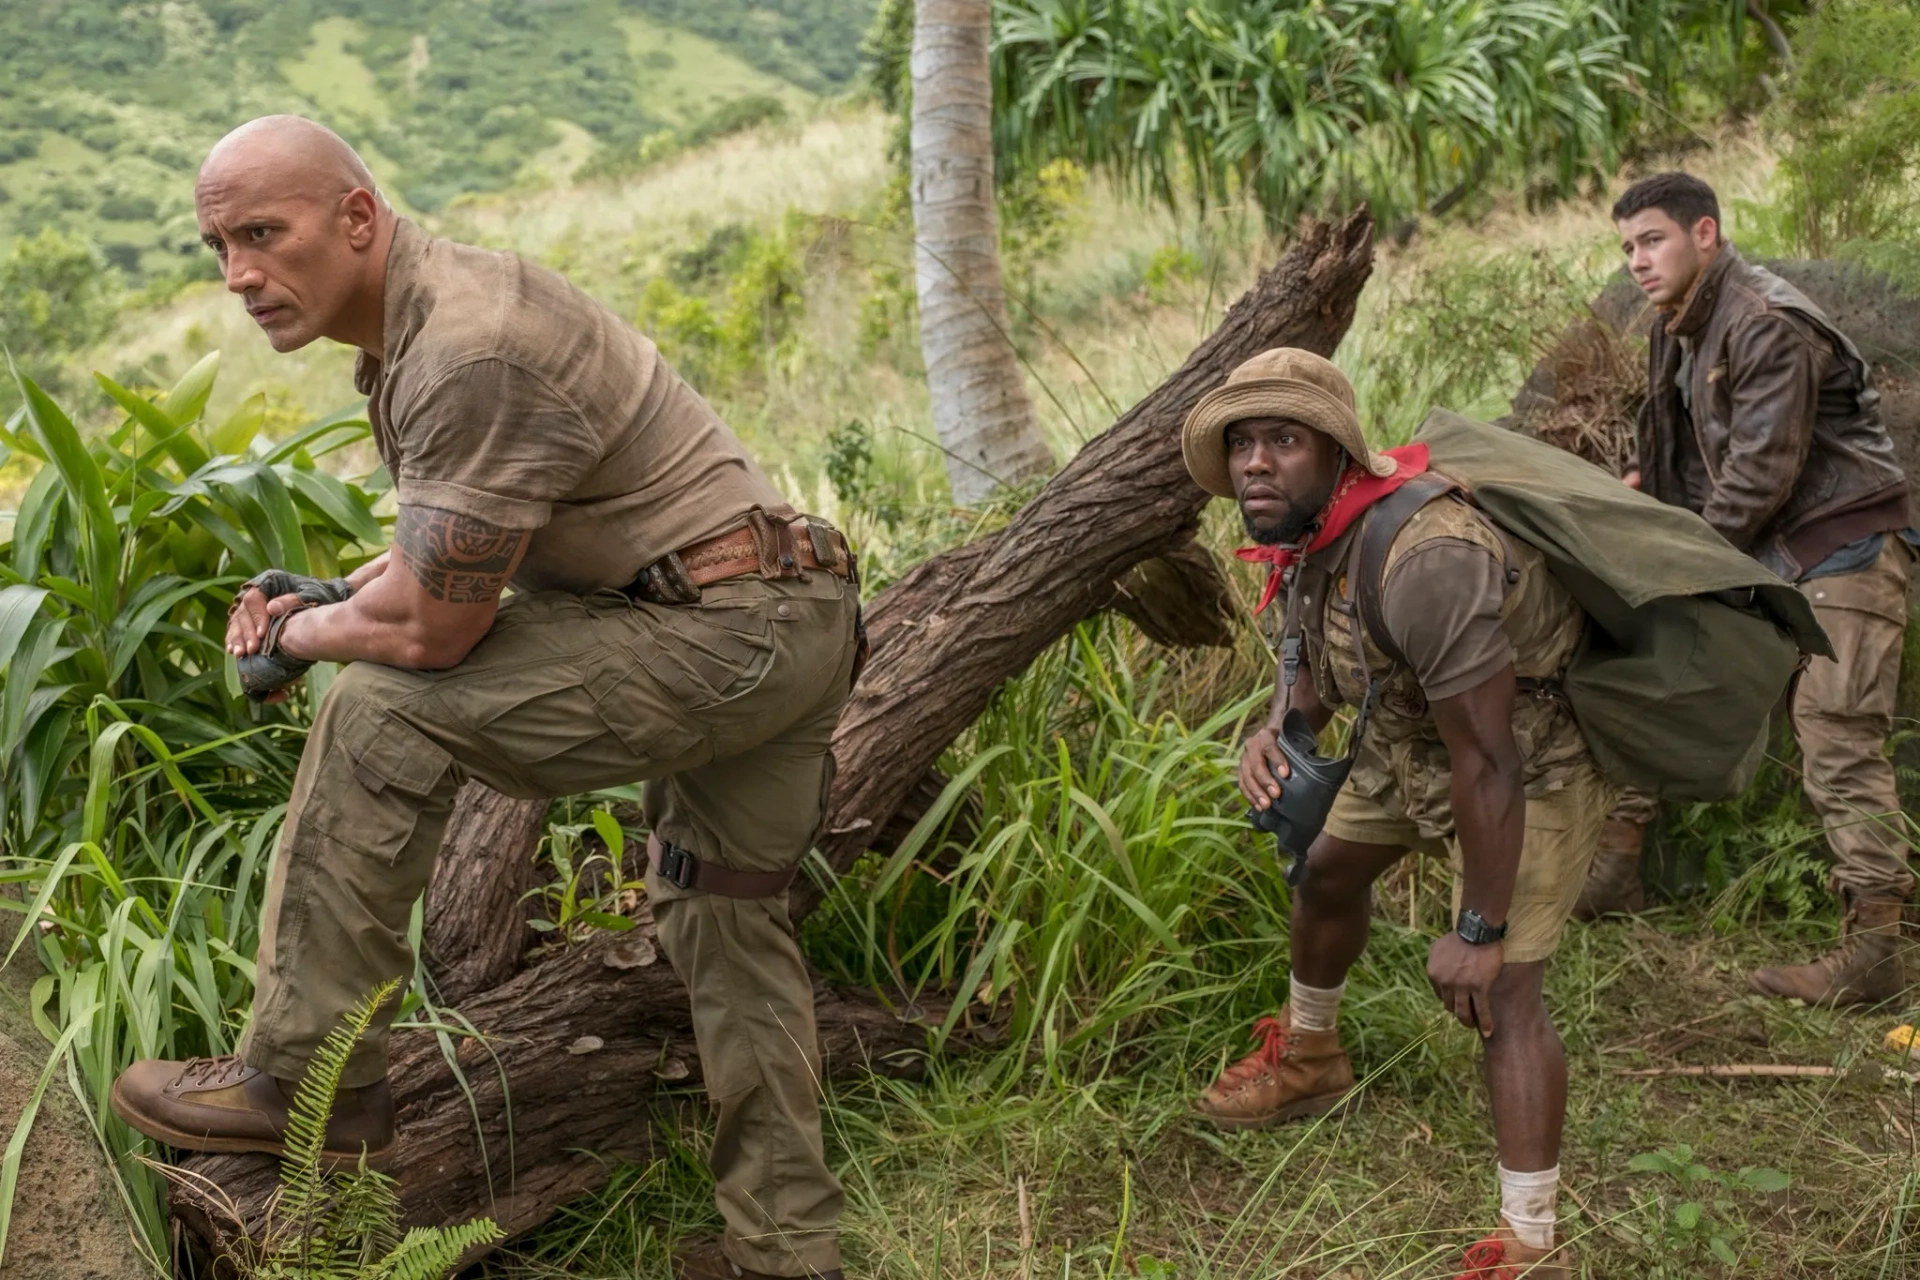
{"points": [[430, 1253], [311, 1227]]}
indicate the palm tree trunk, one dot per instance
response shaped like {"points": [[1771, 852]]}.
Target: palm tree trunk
{"points": [[981, 412]]}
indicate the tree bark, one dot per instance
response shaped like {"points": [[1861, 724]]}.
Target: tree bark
{"points": [[476, 921], [981, 412], [949, 633], [577, 1048]]}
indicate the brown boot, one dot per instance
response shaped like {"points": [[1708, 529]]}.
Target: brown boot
{"points": [[1613, 878], [1504, 1256], [1866, 968], [222, 1104], [707, 1260], [1292, 1075]]}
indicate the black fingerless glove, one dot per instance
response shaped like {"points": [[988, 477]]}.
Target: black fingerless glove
{"points": [[269, 670]]}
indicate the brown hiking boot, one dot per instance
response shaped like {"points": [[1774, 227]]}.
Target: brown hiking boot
{"points": [[222, 1104], [1866, 968], [707, 1260], [1504, 1256], [1613, 877], [1291, 1076]]}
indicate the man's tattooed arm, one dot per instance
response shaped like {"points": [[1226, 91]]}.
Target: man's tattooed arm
{"points": [[458, 559], [426, 618]]}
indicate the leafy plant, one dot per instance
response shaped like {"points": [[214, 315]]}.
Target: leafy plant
{"points": [[323, 1225], [142, 794], [588, 889], [1849, 179], [1300, 106], [118, 572], [1698, 1217]]}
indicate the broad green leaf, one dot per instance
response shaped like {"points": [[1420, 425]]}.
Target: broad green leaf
{"points": [[338, 503], [1765, 1180], [100, 534], [130, 630], [242, 425], [31, 523], [18, 607], [169, 437], [188, 399], [1723, 1251], [37, 651], [610, 832], [604, 920], [335, 431], [1686, 1215]]}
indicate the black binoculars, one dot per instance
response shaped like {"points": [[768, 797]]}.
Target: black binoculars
{"points": [[1306, 794]]}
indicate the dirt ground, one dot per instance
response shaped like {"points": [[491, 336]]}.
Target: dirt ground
{"points": [[67, 1219]]}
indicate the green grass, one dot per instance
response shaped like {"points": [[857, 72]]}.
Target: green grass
{"points": [[684, 76], [1118, 928]]}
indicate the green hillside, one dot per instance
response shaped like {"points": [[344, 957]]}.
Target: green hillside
{"points": [[105, 108]]}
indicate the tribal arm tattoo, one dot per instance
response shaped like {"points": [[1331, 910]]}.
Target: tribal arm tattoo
{"points": [[457, 558]]}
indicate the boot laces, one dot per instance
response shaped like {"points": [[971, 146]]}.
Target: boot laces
{"points": [[1274, 1037], [1487, 1260], [220, 1070]]}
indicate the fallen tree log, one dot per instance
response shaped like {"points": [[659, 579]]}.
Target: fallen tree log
{"points": [[562, 1081]]}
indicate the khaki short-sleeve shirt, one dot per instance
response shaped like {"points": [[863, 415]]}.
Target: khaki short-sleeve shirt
{"points": [[508, 395]]}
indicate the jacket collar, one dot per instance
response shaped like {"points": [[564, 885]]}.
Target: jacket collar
{"points": [[1691, 316], [401, 309]]}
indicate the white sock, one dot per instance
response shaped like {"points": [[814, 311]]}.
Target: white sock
{"points": [[1527, 1202], [1315, 1008]]}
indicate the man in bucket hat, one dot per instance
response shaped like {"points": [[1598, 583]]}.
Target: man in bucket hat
{"points": [[1452, 756]]}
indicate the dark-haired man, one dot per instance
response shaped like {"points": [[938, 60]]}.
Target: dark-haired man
{"points": [[672, 621], [1763, 418], [1451, 761]]}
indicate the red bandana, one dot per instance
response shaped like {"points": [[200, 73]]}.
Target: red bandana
{"points": [[1356, 491]]}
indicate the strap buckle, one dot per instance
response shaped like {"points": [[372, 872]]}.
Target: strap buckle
{"points": [[678, 867]]}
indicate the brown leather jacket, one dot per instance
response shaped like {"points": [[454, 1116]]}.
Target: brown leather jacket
{"points": [[1784, 445]]}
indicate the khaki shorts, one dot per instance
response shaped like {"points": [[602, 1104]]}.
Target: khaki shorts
{"points": [[1563, 829]]}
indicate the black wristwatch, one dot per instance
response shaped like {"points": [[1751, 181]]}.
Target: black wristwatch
{"points": [[1478, 931]]}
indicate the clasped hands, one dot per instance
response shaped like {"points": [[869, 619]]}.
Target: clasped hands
{"points": [[256, 619]]}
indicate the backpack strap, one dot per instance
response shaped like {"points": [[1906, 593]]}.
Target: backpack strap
{"points": [[1382, 524]]}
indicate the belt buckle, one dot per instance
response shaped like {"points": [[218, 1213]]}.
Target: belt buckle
{"points": [[677, 866]]}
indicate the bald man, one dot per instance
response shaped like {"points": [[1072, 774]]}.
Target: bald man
{"points": [[672, 621]]}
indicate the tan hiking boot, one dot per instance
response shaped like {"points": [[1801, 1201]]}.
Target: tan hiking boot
{"points": [[707, 1260], [1292, 1075], [1504, 1256], [1613, 877], [222, 1104], [1866, 968]]}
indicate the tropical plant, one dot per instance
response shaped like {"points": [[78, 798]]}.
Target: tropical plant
{"points": [[142, 793], [121, 562], [323, 1225], [1849, 178], [1306, 106]]}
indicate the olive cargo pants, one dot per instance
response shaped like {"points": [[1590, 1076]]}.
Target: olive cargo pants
{"points": [[1842, 714], [726, 709]]}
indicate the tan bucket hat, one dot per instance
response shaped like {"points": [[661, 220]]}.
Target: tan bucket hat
{"points": [[1285, 382]]}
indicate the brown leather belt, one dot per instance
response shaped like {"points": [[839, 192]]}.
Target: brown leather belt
{"points": [[680, 868], [732, 555], [770, 545]]}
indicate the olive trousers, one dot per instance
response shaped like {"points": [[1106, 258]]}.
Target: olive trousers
{"points": [[1842, 714], [726, 710]]}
